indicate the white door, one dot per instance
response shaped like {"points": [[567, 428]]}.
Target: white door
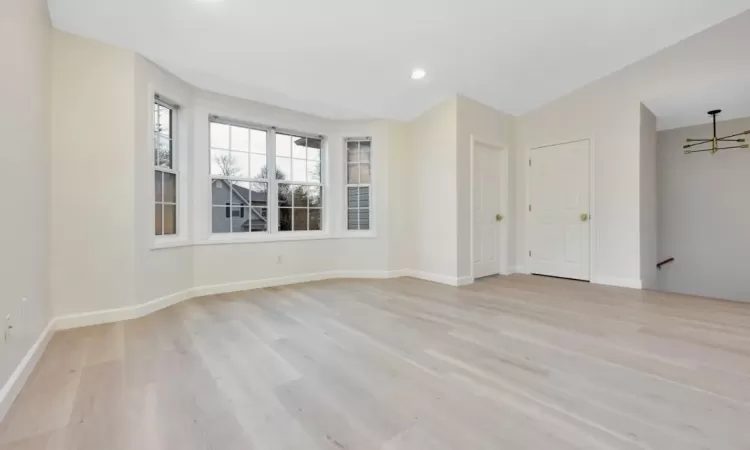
{"points": [[490, 199], [559, 216]]}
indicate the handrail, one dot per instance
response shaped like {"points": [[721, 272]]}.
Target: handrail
{"points": [[666, 261]]}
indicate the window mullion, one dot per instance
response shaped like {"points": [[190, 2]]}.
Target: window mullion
{"points": [[273, 183]]}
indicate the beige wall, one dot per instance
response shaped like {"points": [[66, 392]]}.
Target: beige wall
{"points": [[704, 216], [24, 179], [92, 259], [648, 199], [432, 178], [608, 111], [490, 126]]}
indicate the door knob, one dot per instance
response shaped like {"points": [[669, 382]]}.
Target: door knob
{"points": [[584, 217], [499, 217]]}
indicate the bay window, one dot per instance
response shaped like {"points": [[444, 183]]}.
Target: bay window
{"points": [[165, 168], [358, 184]]}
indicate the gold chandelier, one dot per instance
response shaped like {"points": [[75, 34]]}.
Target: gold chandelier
{"points": [[714, 141]]}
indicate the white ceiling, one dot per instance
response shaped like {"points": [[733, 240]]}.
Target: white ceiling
{"points": [[352, 58], [691, 108]]}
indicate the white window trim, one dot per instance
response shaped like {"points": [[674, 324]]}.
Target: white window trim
{"points": [[347, 233], [180, 157], [272, 234]]}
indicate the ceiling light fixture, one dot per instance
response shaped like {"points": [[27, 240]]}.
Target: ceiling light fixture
{"points": [[418, 74], [714, 141]]}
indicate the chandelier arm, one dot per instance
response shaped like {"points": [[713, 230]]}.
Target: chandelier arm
{"points": [[730, 140], [738, 134], [697, 143], [721, 148]]}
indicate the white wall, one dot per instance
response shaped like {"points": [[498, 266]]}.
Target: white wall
{"points": [[24, 177], [648, 199], [608, 111], [432, 186], [164, 271], [704, 215], [92, 259], [490, 126]]}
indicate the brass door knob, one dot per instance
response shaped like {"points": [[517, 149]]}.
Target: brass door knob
{"points": [[499, 217], [584, 217]]}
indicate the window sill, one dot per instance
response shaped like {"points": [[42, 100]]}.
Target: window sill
{"points": [[170, 242]]}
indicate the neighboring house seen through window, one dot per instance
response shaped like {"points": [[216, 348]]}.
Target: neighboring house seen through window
{"points": [[359, 183], [165, 172]]}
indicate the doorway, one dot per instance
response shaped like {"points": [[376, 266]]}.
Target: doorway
{"points": [[489, 199], [559, 217]]}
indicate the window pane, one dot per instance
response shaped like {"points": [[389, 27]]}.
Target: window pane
{"points": [[315, 219], [300, 196], [314, 196], [313, 154], [352, 151], [283, 145], [352, 219], [283, 169], [165, 121], [353, 197], [364, 151], [240, 193], [163, 149], [240, 164], [364, 196], [240, 219], [299, 147], [158, 186], [259, 194], [353, 174], [258, 166], [240, 139], [170, 219], [220, 223], [299, 170], [313, 171], [300, 219], [258, 219], [219, 135], [285, 195], [170, 188], [158, 219], [364, 219], [364, 173], [219, 192], [221, 163], [285, 219], [258, 141]]}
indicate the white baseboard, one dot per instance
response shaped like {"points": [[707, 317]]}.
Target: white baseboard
{"points": [[620, 282], [23, 370], [136, 311], [464, 281], [518, 269]]}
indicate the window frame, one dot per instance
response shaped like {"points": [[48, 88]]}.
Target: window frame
{"points": [[272, 232], [370, 232], [174, 169]]}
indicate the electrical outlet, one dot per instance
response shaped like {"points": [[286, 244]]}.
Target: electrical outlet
{"points": [[8, 327]]}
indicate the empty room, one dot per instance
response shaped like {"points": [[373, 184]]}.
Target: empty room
{"points": [[374, 225]]}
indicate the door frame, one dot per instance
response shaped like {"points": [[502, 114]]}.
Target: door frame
{"points": [[504, 242], [593, 216]]}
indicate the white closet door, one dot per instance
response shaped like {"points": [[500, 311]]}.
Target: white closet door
{"points": [[559, 216]]}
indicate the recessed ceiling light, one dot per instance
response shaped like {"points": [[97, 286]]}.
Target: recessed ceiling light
{"points": [[418, 74]]}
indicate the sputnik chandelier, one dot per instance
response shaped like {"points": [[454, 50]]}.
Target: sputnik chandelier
{"points": [[714, 141]]}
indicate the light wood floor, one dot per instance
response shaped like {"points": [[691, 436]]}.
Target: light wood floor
{"points": [[508, 363]]}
